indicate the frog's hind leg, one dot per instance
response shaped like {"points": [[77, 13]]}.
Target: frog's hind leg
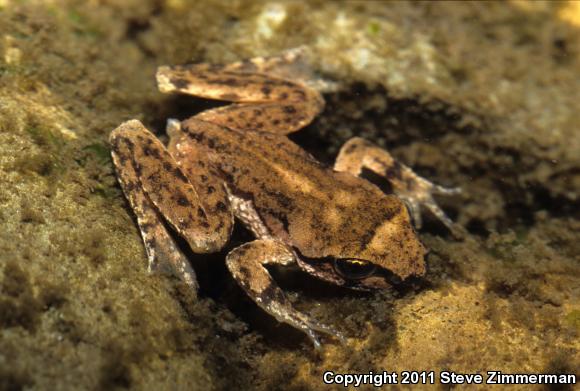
{"points": [[292, 64], [358, 153], [157, 189], [246, 263], [262, 101]]}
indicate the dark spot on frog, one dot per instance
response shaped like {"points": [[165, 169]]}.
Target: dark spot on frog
{"points": [[244, 271], [167, 166], [289, 109], [220, 225], [123, 159], [275, 122], [350, 149], [393, 171], [154, 152], [128, 143], [272, 293], [283, 96], [154, 178], [179, 83], [221, 206], [286, 83], [266, 90], [210, 189], [283, 201], [179, 175], [230, 81], [197, 136], [203, 178], [201, 213], [130, 186], [183, 201]]}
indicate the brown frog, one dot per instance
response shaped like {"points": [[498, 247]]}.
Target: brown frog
{"points": [[235, 161]]}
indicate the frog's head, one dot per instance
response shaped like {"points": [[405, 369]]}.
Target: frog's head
{"points": [[385, 251]]}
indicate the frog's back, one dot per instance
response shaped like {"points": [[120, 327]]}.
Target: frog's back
{"points": [[297, 197]]}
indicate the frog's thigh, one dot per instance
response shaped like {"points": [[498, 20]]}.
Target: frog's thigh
{"points": [[280, 118], [159, 245], [357, 153], [246, 263], [155, 172], [264, 102]]}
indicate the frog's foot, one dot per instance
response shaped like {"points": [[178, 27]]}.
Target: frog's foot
{"points": [[419, 192], [246, 263], [415, 191]]}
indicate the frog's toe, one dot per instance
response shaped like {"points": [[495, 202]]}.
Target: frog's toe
{"points": [[446, 190], [420, 195], [457, 230], [424, 199], [414, 208], [314, 338], [322, 328], [173, 127], [438, 212]]}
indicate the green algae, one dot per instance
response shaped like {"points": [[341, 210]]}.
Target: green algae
{"points": [[482, 96]]}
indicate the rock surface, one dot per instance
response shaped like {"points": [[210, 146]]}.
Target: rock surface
{"points": [[481, 95]]}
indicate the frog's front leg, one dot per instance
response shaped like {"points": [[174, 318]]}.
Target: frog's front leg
{"points": [[358, 153], [246, 263], [157, 189]]}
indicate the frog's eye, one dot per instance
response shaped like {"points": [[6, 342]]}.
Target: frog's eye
{"points": [[354, 269]]}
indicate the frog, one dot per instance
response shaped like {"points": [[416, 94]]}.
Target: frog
{"points": [[236, 163]]}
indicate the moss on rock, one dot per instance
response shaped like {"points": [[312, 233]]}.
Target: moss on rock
{"points": [[481, 95]]}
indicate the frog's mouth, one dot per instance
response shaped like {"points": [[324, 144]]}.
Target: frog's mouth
{"points": [[349, 272]]}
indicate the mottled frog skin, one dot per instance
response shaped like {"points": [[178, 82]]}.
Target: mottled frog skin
{"points": [[236, 161]]}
